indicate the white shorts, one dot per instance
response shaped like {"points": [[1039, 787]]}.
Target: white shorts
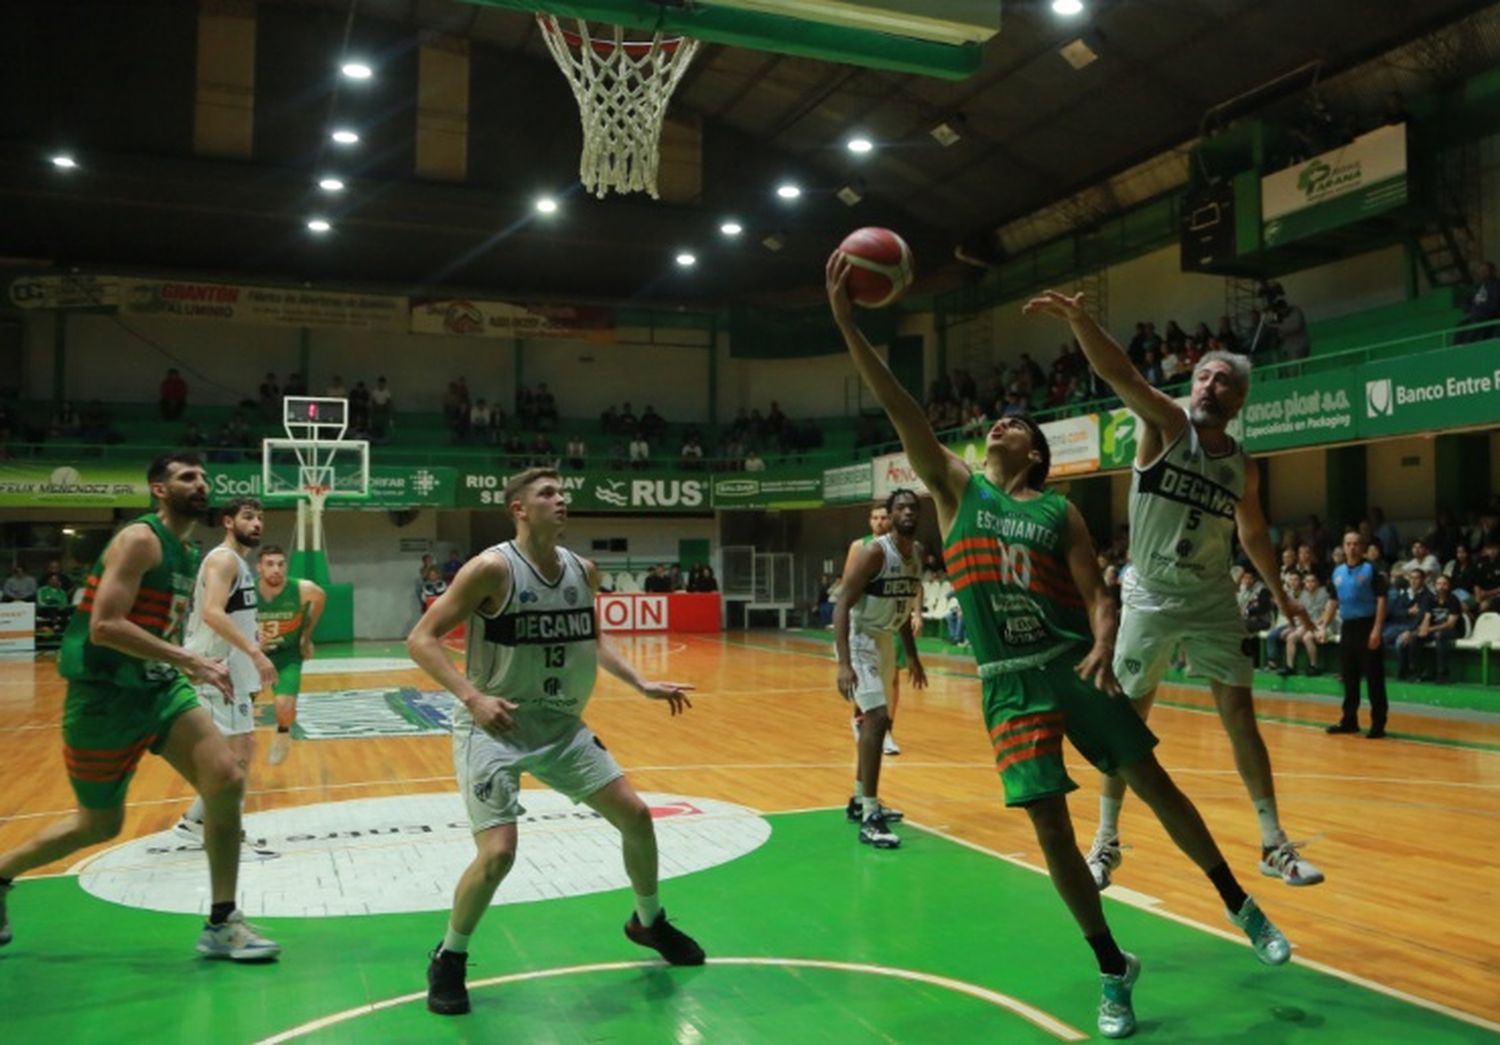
{"points": [[563, 754], [235, 718], [873, 657], [1215, 645]]}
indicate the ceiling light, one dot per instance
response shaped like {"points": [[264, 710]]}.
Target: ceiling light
{"points": [[68, 531], [788, 191], [945, 134], [331, 185], [731, 228], [62, 161], [546, 205], [361, 71], [344, 136], [1067, 8], [860, 145], [687, 259], [318, 225]]}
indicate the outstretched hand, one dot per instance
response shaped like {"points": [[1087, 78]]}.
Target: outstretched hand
{"points": [[1098, 670], [836, 281], [674, 693], [1055, 304]]}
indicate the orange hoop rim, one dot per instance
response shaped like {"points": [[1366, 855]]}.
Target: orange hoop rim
{"points": [[633, 48]]}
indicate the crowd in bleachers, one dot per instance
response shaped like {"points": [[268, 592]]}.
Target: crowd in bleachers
{"points": [[664, 578]]}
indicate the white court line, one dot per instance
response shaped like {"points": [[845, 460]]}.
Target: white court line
{"points": [[1051, 1024], [1133, 899]]}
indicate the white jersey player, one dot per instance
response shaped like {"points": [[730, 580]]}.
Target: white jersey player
{"points": [[1192, 491], [533, 656]]}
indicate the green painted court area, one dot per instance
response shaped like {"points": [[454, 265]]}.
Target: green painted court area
{"points": [[82, 970]]}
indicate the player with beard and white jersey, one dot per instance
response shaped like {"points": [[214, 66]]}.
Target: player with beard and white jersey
{"points": [[533, 656], [222, 628], [1193, 490]]}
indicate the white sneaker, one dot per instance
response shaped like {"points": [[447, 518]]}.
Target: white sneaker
{"points": [[237, 940], [281, 746], [1284, 862], [889, 745], [189, 828], [1271, 946], [873, 830], [1103, 857], [1116, 1011]]}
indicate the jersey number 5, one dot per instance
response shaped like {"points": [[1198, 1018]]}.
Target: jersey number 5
{"points": [[556, 656], [1194, 518]]}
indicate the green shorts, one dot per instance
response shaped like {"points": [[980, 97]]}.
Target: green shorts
{"points": [[288, 676], [107, 729], [1028, 713]]}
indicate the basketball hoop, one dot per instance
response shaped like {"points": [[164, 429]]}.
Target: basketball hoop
{"points": [[622, 87]]}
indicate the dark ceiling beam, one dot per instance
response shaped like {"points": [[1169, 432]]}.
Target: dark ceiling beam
{"points": [[751, 82], [707, 55], [831, 85]]}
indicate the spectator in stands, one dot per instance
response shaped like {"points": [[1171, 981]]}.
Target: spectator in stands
{"points": [[296, 385], [1314, 598], [1483, 307], [824, 610], [174, 393], [1136, 350], [546, 407], [20, 586], [1405, 612], [675, 580], [1358, 597], [1307, 564], [609, 421], [1487, 579], [433, 585], [1441, 627], [628, 421], [1172, 369], [692, 452], [270, 397], [657, 581], [708, 582], [1035, 378], [955, 623], [54, 606], [975, 423], [336, 388], [65, 421], [1151, 368], [1291, 329], [1423, 560], [479, 419], [776, 421], [453, 413], [1255, 602], [753, 462], [1444, 537], [1385, 532], [543, 453], [1462, 573], [427, 564], [1015, 405], [525, 408], [193, 436], [96, 425], [55, 569], [1314, 535], [640, 451], [1228, 339], [452, 566], [359, 405], [382, 408], [577, 451], [652, 425]]}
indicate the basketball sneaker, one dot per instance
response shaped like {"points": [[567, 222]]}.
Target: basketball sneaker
{"points": [[875, 830], [281, 746], [189, 828], [676, 946], [237, 940], [446, 993], [1284, 862], [854, 812], [889, 746], [1116, 1013], [1103, 857], [5, 933], [1270, 945]]}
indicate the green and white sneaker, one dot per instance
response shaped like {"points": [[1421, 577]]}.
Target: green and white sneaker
{"points": [[5, 933], [237, 940], [1116, 1013], [1270, 945]]}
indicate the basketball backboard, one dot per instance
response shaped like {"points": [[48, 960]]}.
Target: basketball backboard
{"points": [[939, 38]]}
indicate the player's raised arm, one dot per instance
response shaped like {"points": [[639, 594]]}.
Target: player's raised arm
{"points": [[862, 570], [943, 471], [484, 580], [674, 693], [1154, 407], [1083, 564]]}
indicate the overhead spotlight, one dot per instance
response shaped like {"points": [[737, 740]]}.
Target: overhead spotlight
{"points": [[774, 242], [1067, 8], [687, 259], [68, 531], [788, 191], [344, 136], [851, 194], [361, 71], [331, 184], [318, 225], [731, 228], [860, 145], [62, 161], [546, 205]]}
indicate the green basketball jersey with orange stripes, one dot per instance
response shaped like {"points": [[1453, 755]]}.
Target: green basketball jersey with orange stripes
{"points": [[1007, 560], [160, 607]]}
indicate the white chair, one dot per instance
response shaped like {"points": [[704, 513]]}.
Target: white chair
{"points": [[1485, 638]]}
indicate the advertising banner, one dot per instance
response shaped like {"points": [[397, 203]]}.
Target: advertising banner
{"points": [[1451, 388], [1337, 188], [18, 627], [646, 492], [1117, 439], [1317, 408], [791, 486], [677, 612], [467, 318], [74, 291], [271, 306], [1074, 443], [86, 484], [850, 484], [391, 486]]}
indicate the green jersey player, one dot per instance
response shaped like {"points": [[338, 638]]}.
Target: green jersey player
{"points": [[287, 616]]}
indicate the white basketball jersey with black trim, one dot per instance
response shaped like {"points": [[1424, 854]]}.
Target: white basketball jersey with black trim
{"points": [[1182, 524], [888, 596], [541, 650], [209, 644]]}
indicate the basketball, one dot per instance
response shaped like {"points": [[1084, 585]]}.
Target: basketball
{"points": [[882, 267]]}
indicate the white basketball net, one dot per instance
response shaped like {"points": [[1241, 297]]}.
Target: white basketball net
{"points": [[622, 87]]}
